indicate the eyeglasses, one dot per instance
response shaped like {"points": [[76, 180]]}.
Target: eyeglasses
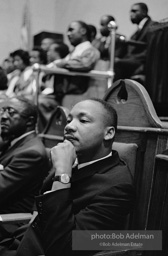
{"points": [[10, 111]]}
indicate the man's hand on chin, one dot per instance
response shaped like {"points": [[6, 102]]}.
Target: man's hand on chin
{"points": [[63, 156]]}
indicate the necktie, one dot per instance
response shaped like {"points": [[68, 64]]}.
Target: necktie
{"points": [[136, 35]]}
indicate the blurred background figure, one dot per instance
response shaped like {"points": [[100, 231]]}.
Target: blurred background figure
{"points": [[8, 65], [57, 51], [93, 33], [38, 55], [47, 101], [104, 42], [133, 62], [19, 83], [46, 42]]}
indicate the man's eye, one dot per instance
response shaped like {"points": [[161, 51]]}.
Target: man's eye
{"points": [[68, 121], [84, 121]]}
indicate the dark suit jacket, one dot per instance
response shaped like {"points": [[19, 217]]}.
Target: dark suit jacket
{"points": [[106, 51], [135, 56], [100, 198], [140, 36], [25, 166]]}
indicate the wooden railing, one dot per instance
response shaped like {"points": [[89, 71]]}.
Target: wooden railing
{"points": [[92, 74]]}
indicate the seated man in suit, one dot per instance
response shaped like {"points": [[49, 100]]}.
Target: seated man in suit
{"points": [[134, 60], [24, 162], [96, 195]]}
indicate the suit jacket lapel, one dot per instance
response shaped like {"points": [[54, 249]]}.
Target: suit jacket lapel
{"points": [[139, 34], [15, 146], [97, 167], [143, 31]]}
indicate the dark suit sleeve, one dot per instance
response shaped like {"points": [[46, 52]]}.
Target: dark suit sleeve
{"points": [[19, 172], [57, 219]]}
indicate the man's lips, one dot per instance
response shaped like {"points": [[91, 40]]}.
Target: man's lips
{"points": [[70, 137], [3, 125]]}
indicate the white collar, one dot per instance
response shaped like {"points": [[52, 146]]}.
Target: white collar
{"points": [[78, 50], [91, 162], [142, 23], [22, 136]]}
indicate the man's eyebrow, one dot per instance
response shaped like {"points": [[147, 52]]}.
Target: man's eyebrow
{"points": [[81, 114]]}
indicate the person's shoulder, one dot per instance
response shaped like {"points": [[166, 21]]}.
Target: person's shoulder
{"points": [[94, 50], [31, 143], [150, 22], [119, 169]]}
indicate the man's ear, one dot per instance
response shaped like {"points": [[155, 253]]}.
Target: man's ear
{"points": [[83, 31], [109, 133]]}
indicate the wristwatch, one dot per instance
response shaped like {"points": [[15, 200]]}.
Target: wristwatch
{"points": [[63, 178]]}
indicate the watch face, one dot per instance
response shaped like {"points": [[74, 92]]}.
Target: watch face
{"points": [[65, 178]]}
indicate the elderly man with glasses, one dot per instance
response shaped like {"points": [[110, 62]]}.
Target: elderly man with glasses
{"points": [[24, 162]]}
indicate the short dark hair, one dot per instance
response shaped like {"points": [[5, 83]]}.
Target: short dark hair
{"points": [[30, 109], [62, 49], [111, 117], [110, 18], [143, 7], [85, 26], [93, 30], [24, 55], [42, 54]]}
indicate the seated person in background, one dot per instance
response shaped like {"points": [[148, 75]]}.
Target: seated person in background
{"points": [[19, 84], [47, 102], [46, 42], [93, 33], [11, 70], [82, 58], [103, 44], [8, 65], [98, 195], [24, 162], [132, 63], [57, 51], [38, 55]]}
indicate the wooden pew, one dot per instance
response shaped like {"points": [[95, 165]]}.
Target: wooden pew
{"points": [[54, 131], [158, 209], [138, 123]]}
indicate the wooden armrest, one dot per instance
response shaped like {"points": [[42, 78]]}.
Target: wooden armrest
{"points": [[162, 157], [15, 217]]}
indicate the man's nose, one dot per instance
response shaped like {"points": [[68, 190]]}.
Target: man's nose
{"points": [[4, 115], [70, 127], [68, 33]]}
